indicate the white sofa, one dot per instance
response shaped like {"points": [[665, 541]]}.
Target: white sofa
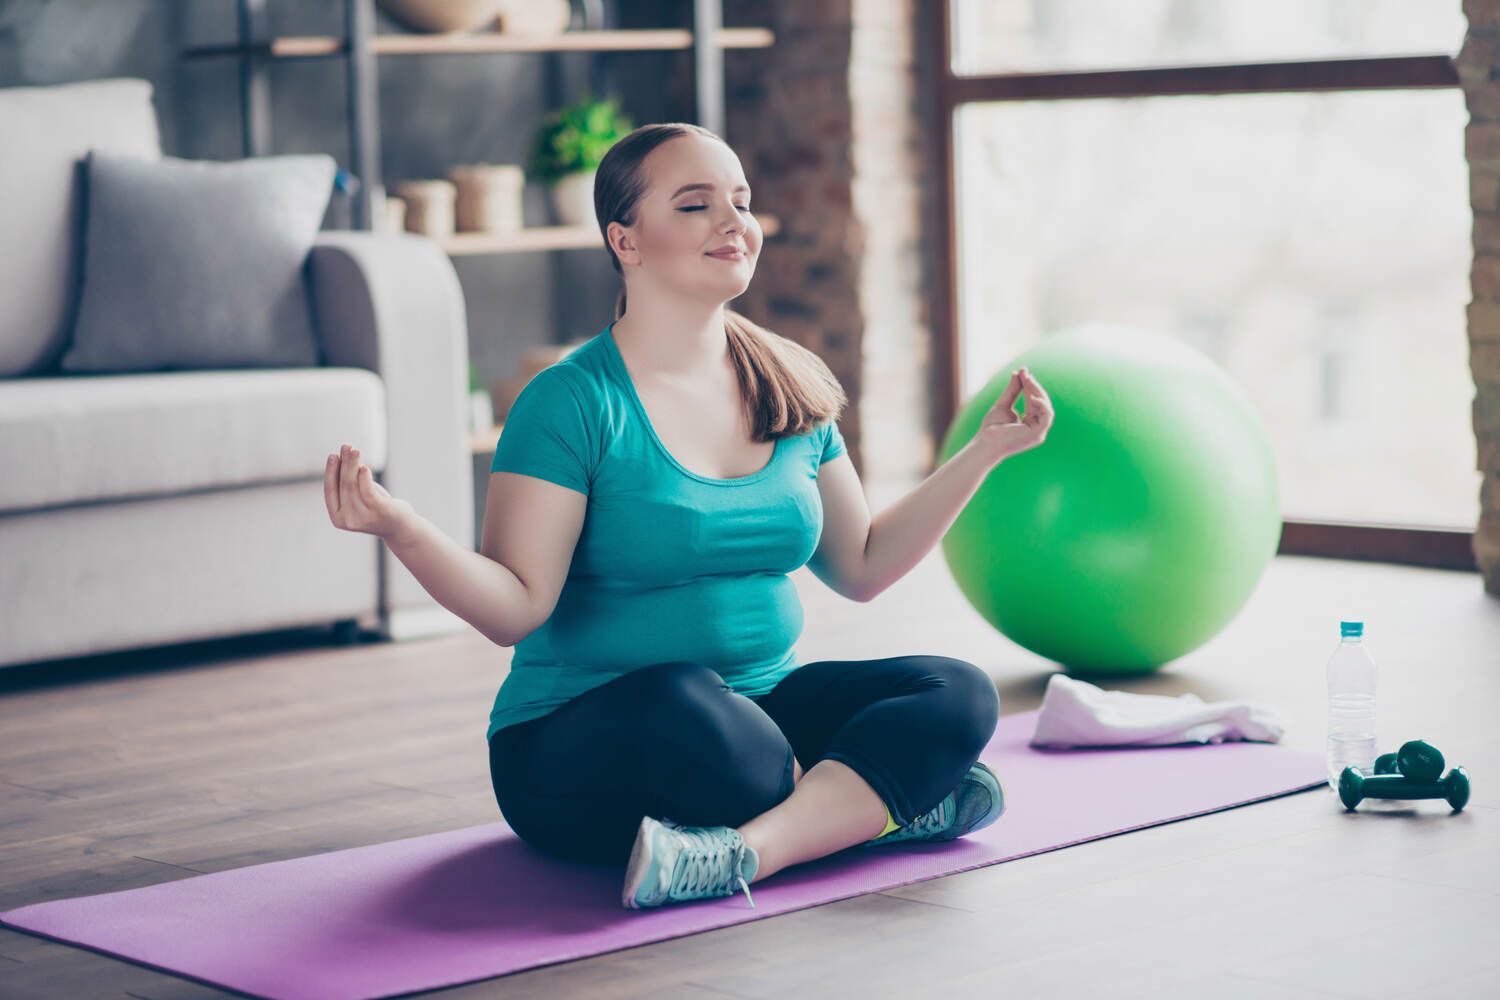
{"points": [[140, 509]]}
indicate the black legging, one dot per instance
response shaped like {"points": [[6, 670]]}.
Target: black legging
{"points": [[673, 740]]}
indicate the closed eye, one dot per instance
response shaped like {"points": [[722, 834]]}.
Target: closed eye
{"points": [[699, 208]]}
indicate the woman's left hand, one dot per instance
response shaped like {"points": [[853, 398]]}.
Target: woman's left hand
{"points": [[1004, 432]]}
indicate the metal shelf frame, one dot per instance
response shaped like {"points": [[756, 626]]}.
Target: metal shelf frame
{"points": [[256, 50]]}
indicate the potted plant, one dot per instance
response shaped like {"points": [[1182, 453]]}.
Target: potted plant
{"points": [[567, 149]]}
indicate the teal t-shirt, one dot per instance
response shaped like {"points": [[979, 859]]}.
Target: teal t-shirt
{"points": [[670, 565]]}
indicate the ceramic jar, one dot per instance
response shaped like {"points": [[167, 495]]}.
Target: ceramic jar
{"points": [[429, 206], [489, 197]]}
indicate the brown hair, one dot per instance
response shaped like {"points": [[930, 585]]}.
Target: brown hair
{"points": [[787, 389]]}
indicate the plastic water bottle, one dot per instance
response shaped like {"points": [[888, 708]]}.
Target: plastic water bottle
{"points": [[1351, 704]]}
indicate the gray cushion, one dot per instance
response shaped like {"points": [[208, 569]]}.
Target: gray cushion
{"points": [[198, 263], [45, 132]]}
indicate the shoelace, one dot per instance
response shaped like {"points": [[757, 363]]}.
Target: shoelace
{"points": [[700, 866], [935, 820]]}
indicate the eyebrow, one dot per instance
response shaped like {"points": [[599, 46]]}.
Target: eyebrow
{"points": [[704, 187]]}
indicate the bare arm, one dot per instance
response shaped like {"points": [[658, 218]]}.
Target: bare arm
{"points": [[860, 556], [476, 588]]}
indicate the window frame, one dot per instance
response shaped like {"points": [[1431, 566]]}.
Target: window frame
{"points": [[1443, 548]]}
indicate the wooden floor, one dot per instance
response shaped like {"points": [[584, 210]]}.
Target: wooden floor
{"points": [[125, 771]]}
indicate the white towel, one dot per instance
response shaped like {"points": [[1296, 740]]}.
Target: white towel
{"points": [[1077, 713]]}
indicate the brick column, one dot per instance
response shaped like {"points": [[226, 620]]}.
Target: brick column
{"points": [[827, 126], [891, 183], [1478, 70]]}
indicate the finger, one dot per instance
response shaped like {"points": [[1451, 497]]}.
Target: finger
{"points": [[1007, 401], [1012, 390], [1034, 391], [1037, 386], [349, 481], [330, 484]]}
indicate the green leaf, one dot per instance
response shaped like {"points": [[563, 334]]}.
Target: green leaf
{"points": [[576, 137]]}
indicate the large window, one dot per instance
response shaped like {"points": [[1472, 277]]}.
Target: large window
{"points": [[1306, 225], [1012, 36]]}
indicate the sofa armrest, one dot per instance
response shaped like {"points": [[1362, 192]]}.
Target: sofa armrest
{"points": [[391, 303]]}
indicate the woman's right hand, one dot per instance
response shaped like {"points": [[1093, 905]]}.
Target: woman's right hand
{"points": [[356, 502]]}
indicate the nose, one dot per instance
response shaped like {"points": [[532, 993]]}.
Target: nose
{"points": [[730, 220]]}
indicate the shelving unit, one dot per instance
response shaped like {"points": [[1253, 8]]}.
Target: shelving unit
{"points": [[638, 40], [539, 238], [360, 47]]}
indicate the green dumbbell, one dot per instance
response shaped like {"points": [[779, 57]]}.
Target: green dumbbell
{"points": [[1354, 786], [1417, 759]]}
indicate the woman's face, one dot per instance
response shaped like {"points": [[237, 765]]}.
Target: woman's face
{"points": [[693, 229]]}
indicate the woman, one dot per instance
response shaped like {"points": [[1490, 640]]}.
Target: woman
{"points": [[647, 499]]}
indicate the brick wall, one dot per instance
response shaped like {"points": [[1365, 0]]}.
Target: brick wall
{"points": [[1479, 74], [828, 127]]}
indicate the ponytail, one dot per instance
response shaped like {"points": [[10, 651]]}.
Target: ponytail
{"points": [[788, 390]]}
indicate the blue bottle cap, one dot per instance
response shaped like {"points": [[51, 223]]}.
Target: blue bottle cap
{"points": [[1348, 628]]}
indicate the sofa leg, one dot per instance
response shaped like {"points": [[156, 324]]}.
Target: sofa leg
{"points": [[346, 632]]}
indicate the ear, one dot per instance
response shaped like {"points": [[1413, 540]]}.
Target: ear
{"points": [[622, 244]]}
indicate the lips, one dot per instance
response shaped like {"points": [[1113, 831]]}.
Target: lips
{"points": [[727, 253]]}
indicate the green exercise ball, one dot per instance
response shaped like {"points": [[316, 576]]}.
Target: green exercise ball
{"points": [[1140, 526]]}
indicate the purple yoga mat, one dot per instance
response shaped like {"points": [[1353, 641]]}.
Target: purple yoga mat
{"points": [[449, 908]]}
